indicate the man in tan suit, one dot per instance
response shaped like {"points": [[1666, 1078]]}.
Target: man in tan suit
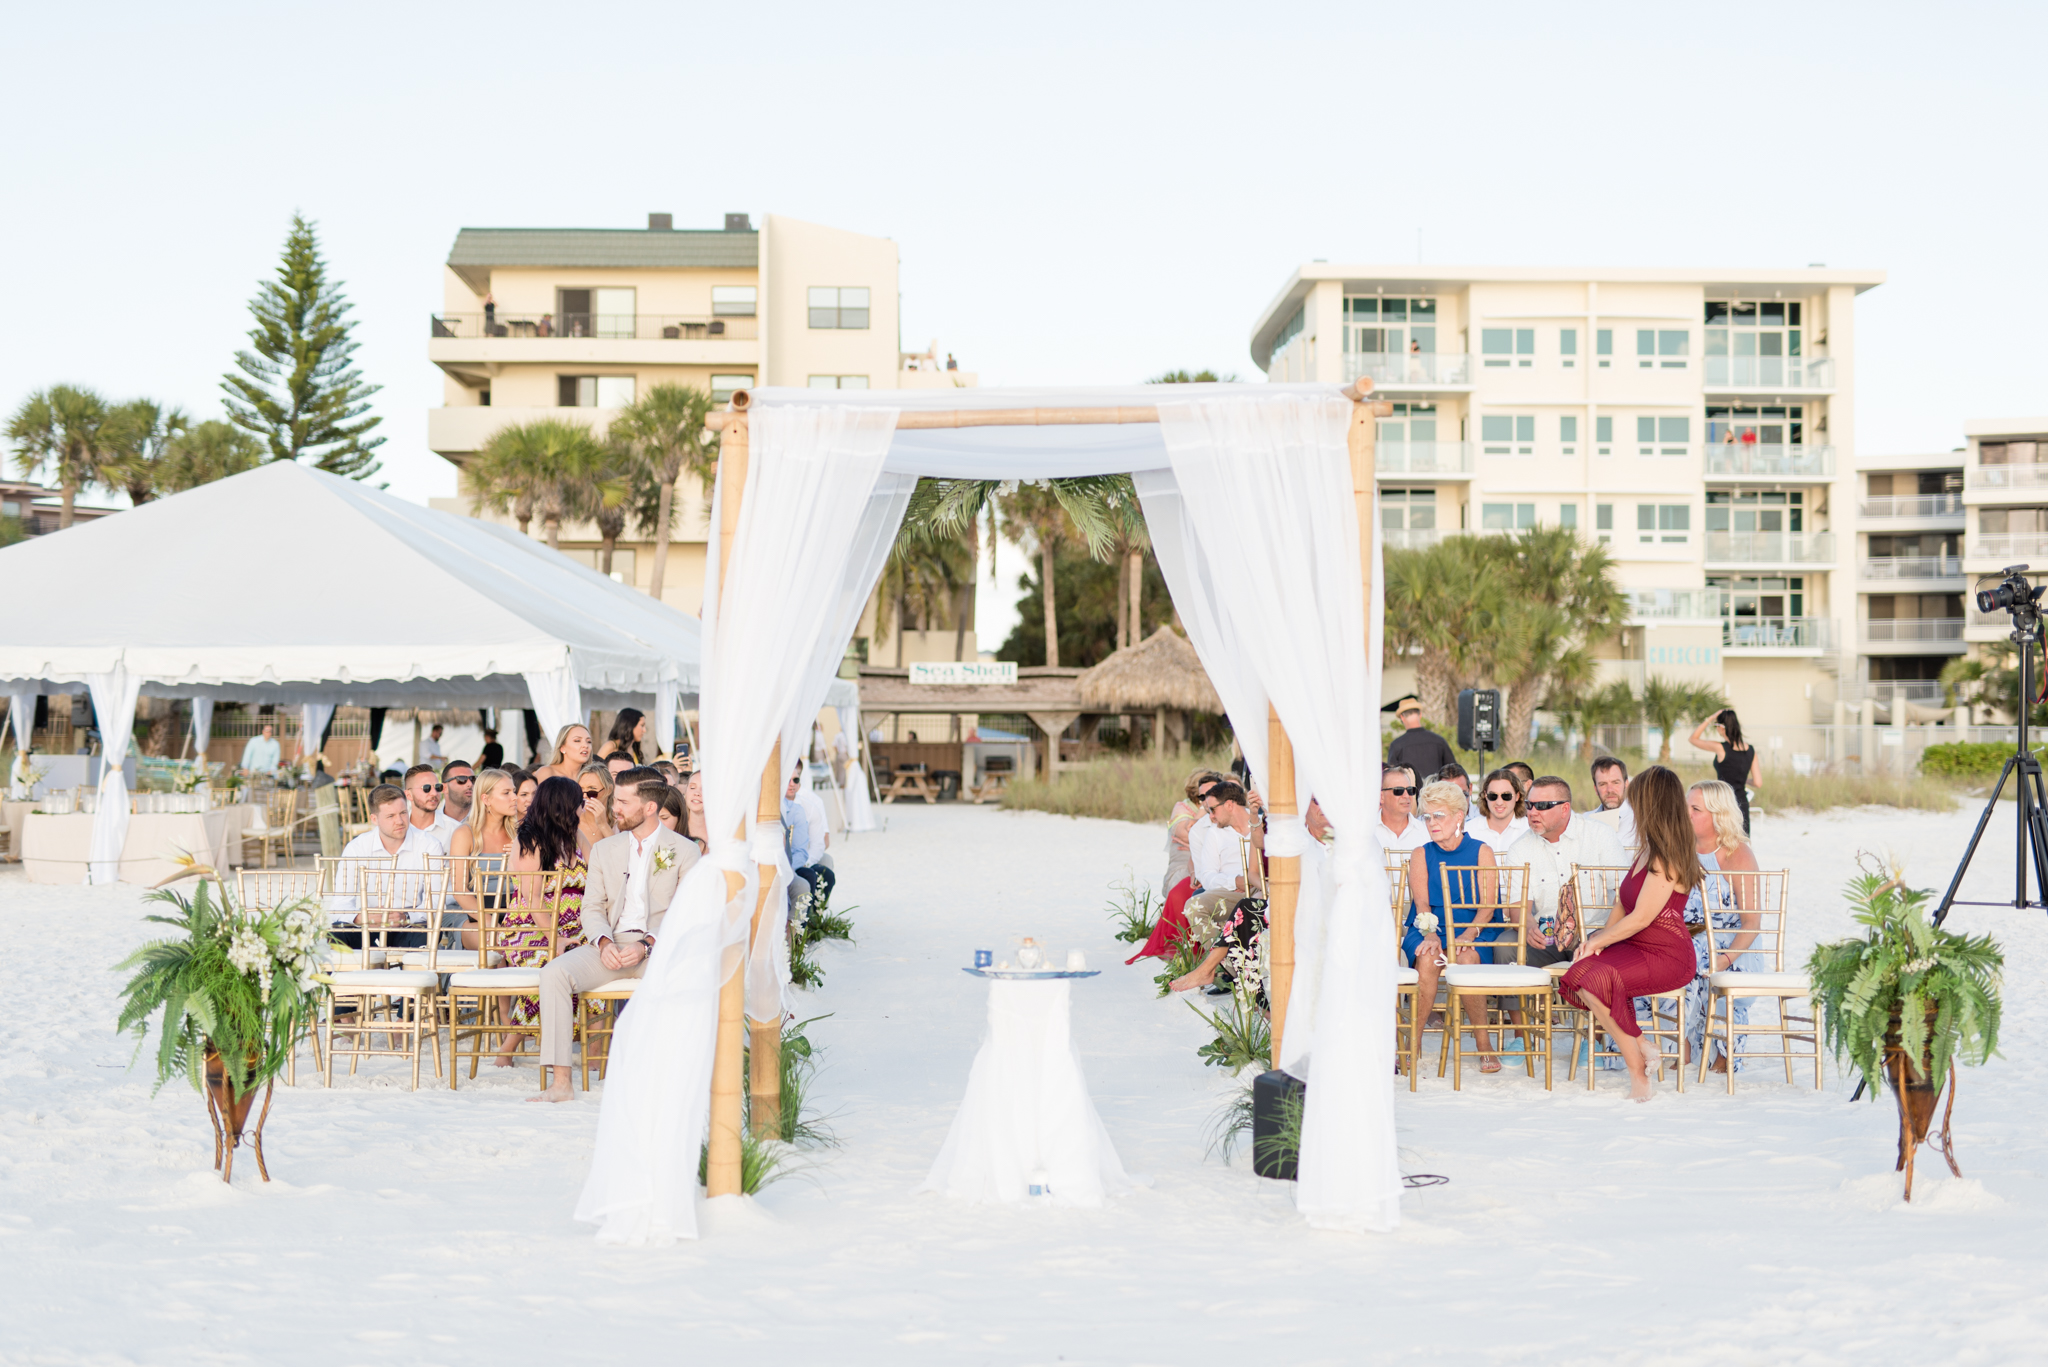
{"points": [[633, 877]]}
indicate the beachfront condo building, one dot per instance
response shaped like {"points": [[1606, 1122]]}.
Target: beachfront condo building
{"points": [[1700, 424], [574, 323]]}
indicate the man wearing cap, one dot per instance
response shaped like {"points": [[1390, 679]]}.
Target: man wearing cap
{"points": [[1418, 747]]}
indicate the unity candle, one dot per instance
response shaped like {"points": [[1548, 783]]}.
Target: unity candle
{"points": [[1028, 953]]}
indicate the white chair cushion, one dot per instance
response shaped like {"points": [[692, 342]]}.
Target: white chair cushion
{"points": [[1774, 983], [1406, 977], [615, 986], [495, 977], [451, 960], [1495, 976], [385, 979]]}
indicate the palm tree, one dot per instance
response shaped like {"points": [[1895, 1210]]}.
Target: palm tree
{"points": [[1442, 609], [142, 433], [662, 434], [1560, 597], [921, 581], [1667, 701], [204, 453], [547, 468], [64, 427], [1584, 708]]}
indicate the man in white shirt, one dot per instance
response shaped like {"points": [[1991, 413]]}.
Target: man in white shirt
{"points": [[633, 877], [261, 754], [1399, 828], [1221, 872], [818, 838], [458, 793], [430, 748], [1556, 841], [1610, 781], [391, 836], [423, 798]]}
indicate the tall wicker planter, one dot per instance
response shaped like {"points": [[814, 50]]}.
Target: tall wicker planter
{"points": [[1911, 1081]]}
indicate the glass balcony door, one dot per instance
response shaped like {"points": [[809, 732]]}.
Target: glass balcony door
{"points": [[1755, 342]]}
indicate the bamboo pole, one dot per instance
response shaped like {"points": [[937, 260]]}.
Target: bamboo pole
{"points": [[722, 1167], [1283, 879], [765, 1057]]}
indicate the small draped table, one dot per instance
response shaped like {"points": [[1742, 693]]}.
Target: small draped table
{"points": [[1027, 1119]]}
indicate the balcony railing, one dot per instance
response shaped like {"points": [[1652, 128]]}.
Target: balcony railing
{"points": [[1423, 457], [1410, 538], [601, 326], [1912, 567], [1776, 460], [2005, 477], [2007, 547], [1912, 505], [1409, 367], [1770, 372], [1770, 548], [1776, 633], [1700, 605], [1926, 692], [1913, 629]]}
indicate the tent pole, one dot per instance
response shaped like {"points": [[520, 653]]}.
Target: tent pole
{"points": [[765, 1059], [1283, 880], [722, 1166]]}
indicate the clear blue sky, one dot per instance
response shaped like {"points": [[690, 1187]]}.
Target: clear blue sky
{"points": [[1082, 193]]}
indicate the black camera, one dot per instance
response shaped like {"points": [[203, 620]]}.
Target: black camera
{"points": [[2013, 594]]}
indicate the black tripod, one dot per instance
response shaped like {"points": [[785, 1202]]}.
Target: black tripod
{"points": [[2032, 806]]}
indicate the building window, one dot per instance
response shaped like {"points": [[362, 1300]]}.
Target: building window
{"points": [[1754, 341], [1662, 436], [1568, 515], [839, 306], [733, 301], [1603, 435], [595, 313], [1568, 433], [1665, 347], [1670, 523], [724, 386], [1603, 522], [1750, 599], [1375, 325], [593, 391], [1749, 425], [839, 382], [1503, 434], [1568, 346], [1408, 510], [1411, 422], [1506, 517], [1603, 346], [1507, 346], [2005, 521], [1756, 510], [1289, 330]]}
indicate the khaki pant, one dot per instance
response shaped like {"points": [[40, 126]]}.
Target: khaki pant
{"points": [[560, 979], [1207, 912]]}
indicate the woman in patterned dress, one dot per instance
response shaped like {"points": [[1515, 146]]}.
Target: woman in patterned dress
{"points": [[1730, 902], [549, 839]]}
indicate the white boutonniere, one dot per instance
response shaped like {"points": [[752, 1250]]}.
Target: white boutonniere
{"points": [[664, 858]]}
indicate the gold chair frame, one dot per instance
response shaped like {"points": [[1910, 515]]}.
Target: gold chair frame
{"points": [[1504, 902], [407, 1003], [482, 988], [1585, 1030], [1770, 892]]}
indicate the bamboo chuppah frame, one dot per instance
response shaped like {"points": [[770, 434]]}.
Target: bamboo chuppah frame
{"points": [[722, 1169]]}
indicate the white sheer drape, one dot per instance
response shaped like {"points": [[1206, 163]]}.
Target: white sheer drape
{"points": [[557, 701], [1272, 571], [313, 719], [810, 478], [113, 705], [202, 730], [665, 719]]}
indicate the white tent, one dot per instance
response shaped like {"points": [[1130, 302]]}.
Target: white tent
{"points": [[287, 585]]}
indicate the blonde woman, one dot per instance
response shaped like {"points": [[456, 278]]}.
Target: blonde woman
{"points": [[1181, 824], [1730, 903], [491, 833], [596, 822], [573, 749], [1426, 934]]}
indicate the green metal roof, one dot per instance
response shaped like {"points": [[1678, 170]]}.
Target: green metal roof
{"points": [[478, 250]]}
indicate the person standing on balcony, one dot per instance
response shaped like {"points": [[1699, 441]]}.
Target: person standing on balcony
{"points": [[1734, 760], [1418, 748]]}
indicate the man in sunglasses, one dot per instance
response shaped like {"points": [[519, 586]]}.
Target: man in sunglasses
{"points": [[423, 803], [1221, 869], [1399, 828], [458, 784], [1556, 841]]}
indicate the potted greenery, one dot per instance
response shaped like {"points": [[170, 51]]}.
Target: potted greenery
{"points": [[1906, 1001], [237, 988]]}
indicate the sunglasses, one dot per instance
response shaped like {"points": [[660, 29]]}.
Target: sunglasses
{"points": [[462, 778], [1546, 806], [430, 787], [1500, 797], [1402, 792]]}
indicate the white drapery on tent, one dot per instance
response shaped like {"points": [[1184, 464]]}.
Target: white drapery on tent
{"points": [[397, 606], [1241, 467]]}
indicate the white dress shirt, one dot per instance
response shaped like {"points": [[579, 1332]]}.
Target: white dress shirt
{"points": [[1497, 841], [1621, 820], [633, 910], [412, 855], [1584, 840], [814, 817], [1215, 855], [1414, 838]]}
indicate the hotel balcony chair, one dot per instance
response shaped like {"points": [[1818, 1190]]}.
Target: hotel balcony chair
{"points": [[1761, 895]]}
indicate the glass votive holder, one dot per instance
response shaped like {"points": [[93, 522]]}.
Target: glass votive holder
{"points": [[1077, 961]]}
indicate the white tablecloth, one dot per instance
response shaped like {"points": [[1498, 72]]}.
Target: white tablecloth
{"points": [[54, 848], [12, 814], [1027, 1116]]}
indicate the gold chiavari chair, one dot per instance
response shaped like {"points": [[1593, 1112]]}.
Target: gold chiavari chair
{"points": [[395, 1002], [1599, 887], [1407, 1017], [1494, 897], [598, 1020], [518, 930], [267, 890], [1761, 900]]}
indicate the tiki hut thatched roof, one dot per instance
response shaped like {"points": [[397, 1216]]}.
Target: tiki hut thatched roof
{"points": [[1159, 671]]}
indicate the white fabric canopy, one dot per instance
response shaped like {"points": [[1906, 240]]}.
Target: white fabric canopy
{"points": [[202, 728], [21, 711], [113, 705]]}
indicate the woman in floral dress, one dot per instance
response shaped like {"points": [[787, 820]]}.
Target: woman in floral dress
{"points": [[549, 839]]}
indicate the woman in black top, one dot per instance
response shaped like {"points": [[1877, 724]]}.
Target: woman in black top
{"points": [[1734, 760]]}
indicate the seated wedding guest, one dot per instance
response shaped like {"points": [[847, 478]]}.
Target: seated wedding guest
{"points": [[1221, 870], [670, 775], [490, 834], [673, 814], [598, 791], [628, 733], [525, 785], [1454, 773], [572, 752], [693, 803], [493, 754], [1399, 829], [1610, 784], [261, 754], [1429, 928], [1524, 775], [548, 841], [816, 868], [423, 793], [1644, 947], [633, 878], [1502, 818], [618, 762], [1557, 840], [391, 833], [1178, 885], [458, 782], [1728, 902]]}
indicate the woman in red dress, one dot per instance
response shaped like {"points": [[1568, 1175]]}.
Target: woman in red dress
{"points": [[1644, 946]]}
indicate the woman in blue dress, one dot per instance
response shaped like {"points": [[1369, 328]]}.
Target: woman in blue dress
{"points": [[1422, 941]]}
